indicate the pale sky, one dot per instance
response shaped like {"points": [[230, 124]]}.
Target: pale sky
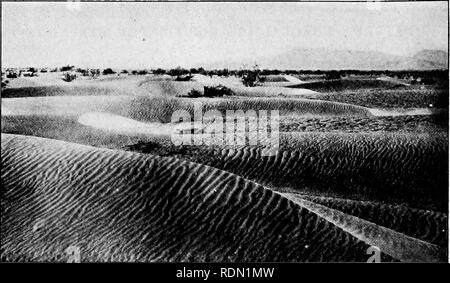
{"points": [[149, 35]]}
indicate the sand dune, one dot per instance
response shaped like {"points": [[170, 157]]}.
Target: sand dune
{"points": [[426, 225], [397, 167], [393, 243], [121, 206], [272, 90], [393, 168], [169, 88], [158, 109], [322, 196], [180, 89]]}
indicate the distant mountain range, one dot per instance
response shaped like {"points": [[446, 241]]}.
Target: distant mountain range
{"points": [[326, 59]]}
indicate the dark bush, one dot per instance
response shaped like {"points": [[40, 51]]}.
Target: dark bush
{"points": [[185, 78], [94, 73], [201, 71], [108, 71], [159, 71], [211, 91], [142, 72], [11, 75], [223, 73], [193, 93], [66, 68], [178, 72], [216, 91], [83, 72], [252, 77], [68, 77]]}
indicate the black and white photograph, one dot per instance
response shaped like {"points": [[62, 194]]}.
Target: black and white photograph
{"points": [[224, 132]]}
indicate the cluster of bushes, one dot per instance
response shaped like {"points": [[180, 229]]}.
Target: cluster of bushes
{"points": [[253, 77], [211, 91], [93, 73], [68, 77], [140, 72], [12, 74], [216, 91], [66, 68], [179, 72], [108, 71], [83, 72]]}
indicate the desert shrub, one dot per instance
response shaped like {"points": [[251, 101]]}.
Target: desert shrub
{"points": [[211, 91], [66, 68], [201, 71], [68, 77], [267, 72], [215, 91], [178, 72], [185, 78], [108, 71], [32, 70], [94, 73], [193, 93], [44, 70], [142, 72], [83, 72], [124, 72], [223, 73], [252, 77], [159, 71], [11, 75], [54, 70]]}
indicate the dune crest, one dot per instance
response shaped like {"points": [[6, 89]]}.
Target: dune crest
{"points": [[395, 244]]}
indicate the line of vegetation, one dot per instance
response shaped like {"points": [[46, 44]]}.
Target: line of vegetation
{"points": [[249, 76]]}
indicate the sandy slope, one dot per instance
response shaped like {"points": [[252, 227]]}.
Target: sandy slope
{"points": [[320, 197], [120, 206]]}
